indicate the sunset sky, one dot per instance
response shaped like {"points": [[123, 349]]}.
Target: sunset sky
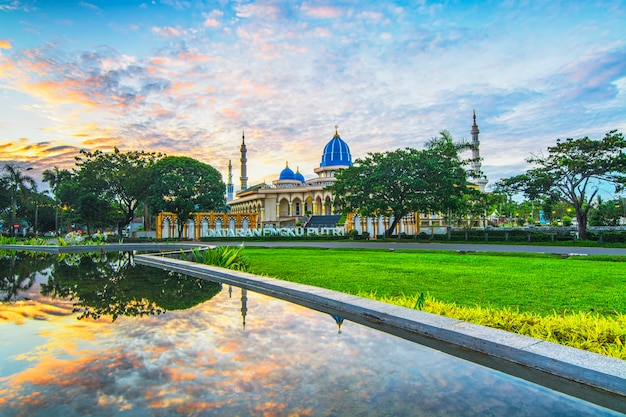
{"points": [[187, 77]]}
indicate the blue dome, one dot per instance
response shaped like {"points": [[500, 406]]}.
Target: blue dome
{"points": [[299, 177], [287, 174], [336, 152]]}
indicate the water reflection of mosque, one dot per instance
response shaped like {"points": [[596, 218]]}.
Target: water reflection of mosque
{"points": [[244, 309]]}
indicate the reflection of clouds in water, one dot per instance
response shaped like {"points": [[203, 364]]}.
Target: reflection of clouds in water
{"points": [[289, 360]]}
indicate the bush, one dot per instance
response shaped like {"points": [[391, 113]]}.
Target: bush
{"points": [[229, 257]]}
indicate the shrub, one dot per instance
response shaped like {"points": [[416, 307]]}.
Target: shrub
{"points": [[229, 257]]}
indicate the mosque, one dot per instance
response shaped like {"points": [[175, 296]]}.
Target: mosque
{"points": [[292, 201], [289, 199]]}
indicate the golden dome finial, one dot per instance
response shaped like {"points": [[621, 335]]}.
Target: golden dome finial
{"points": [[336, 131]]}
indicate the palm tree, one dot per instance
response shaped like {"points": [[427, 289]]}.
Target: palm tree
{"points": [[18, 184], [55, 178]]}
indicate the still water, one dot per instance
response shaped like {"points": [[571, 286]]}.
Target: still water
{"points": [[92, 336]]}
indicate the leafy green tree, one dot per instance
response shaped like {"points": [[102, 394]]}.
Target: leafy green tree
{"points": [[478, 206], [572, 172], [606, 213], [39, 209], [182, 185], [55, 177], [404, 181], [94, 211], [19, 187], [121, 178]]}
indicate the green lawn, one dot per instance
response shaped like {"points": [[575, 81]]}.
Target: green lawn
{"points": [[541, 284]]}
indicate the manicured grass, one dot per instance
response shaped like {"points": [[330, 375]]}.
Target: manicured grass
{"points": [[541, 284], [576, 301]]}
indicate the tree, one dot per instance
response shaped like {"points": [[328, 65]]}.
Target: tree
{"points": [[404, 181], [55, 177], [121, 177], [19, 186], [94, 211], [572, 172], [606, 213], [182, 185]]}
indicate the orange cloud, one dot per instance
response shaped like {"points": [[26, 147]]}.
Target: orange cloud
{"points": [[229, 113], [161, 112], [25, 150], [20, 311], [5, 44], [188, 56], [102, 142], [211, 20], [166, 32], [65, 92], [7, 67], [321, 12], [176, 88]]}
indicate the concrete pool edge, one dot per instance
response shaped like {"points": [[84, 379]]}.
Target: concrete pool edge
{"points": [[589, 376]]}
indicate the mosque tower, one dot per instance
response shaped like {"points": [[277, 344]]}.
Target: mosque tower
{"points": [[244, 306], [230, 188], [244, 160], [480, 180]]}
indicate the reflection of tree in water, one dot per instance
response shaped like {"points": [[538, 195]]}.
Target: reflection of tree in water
{"points": [[18, 272], [115, 286]]}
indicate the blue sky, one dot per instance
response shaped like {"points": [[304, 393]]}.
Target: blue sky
{"points": [[187, 77]]}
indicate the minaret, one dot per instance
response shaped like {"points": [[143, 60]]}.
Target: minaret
{"points": [[230, 188], [480, 179], [244, 168], [244, 306]]}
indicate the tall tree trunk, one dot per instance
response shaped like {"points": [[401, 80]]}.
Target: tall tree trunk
{"points": [[582, 224], [147, 223], [392, 226]]}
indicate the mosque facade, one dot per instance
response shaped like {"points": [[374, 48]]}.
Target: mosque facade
{"points": [[292, 200]]}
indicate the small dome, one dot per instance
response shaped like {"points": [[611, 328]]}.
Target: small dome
{"points": [[287, 174], [336, 153], [299, 177]]}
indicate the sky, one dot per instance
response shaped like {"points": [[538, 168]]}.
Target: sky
{"points": [[187, 77]]}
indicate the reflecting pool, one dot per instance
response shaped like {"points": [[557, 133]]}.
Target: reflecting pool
{"points": [[102, 337]]}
